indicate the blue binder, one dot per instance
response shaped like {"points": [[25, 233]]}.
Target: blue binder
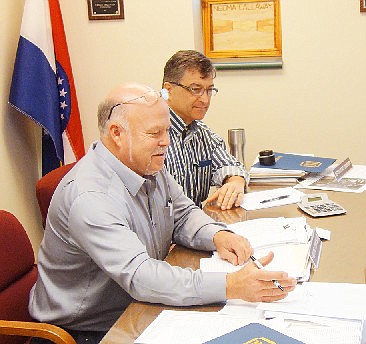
{"points": [[254, 333], [299, 162]]}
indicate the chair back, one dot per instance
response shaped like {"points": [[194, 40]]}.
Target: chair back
{"points": [[18, 273], [46, 186]]}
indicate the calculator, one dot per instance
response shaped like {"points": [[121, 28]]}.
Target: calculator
{"points": [[320, 205]]}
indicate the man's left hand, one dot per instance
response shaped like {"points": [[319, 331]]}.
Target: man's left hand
{"points": [[231, 193], [232, 247]]}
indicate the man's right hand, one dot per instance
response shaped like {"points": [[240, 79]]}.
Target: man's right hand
{"points": [[256, 285]]}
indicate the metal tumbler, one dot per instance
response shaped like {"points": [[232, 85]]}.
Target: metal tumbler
{"points": [[236, 139]]}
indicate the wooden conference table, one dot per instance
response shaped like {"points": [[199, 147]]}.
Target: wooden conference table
{"points": [[343, 258]]}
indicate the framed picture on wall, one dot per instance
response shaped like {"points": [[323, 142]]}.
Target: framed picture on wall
{"points": [[363, 5], [241, 28]]}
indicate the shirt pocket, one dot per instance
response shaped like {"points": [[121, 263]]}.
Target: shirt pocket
{"points": [[202, 174], [167, 229]]}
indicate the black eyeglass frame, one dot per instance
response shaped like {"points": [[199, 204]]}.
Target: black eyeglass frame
{"points": [[212, 90]]}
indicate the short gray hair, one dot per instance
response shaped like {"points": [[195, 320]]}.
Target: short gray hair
{"points": [[105, 115]]}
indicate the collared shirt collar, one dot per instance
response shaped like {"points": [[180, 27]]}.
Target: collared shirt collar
{"points": [[178, 125], [130, 179]]}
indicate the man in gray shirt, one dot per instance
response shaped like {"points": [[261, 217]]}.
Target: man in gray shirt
{"points": [[112, 220]]}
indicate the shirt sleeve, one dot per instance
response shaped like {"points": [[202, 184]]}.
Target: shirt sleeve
{"points": [[192, 227], [224, 164], [106, 238]]}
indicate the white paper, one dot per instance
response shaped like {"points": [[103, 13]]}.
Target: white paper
{"points": [[285, 237], [254, 200], [296, 267], [323, 233], [306, 327], [271, 231], [353, 181], [337, 300], [182, 327]]}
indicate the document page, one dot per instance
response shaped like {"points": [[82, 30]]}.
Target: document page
{"points": [[272, 231], [182, 327], [297, 266], [271, 198], [337, 300]]}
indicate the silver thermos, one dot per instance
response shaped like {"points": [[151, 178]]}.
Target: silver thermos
{"points": [[236, 139]]}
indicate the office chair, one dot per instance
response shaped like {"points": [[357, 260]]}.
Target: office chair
{"points": [[46, 186], [18, 273]]}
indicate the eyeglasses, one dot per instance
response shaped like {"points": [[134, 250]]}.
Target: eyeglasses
{"points": [[197, 90], [148, 98]]}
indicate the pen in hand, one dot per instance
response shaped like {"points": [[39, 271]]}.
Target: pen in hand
{"points": [[275, 199], [260, 266]]}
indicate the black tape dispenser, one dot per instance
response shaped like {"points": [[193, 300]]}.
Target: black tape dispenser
{"points": [[266, 157]]}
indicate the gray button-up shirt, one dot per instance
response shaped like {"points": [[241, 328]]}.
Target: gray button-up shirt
{"points": [[107, 233]]}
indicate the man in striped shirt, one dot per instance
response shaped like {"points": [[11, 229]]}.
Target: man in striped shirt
{"points": [[197, 157]]}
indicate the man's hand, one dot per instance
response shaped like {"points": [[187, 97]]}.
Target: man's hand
{"points": [[232, 247], [231, 193], [256, 285]]}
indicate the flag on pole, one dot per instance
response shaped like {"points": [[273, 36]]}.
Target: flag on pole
{"points": [[43, 85]]}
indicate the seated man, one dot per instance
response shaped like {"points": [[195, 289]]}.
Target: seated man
{"points": [[197, 157], [111, 222]]}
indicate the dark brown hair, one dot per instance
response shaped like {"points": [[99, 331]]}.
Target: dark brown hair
{"points": [[190, 60]]}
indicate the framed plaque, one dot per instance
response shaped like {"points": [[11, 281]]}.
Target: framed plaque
{"points": [[105, 9]]}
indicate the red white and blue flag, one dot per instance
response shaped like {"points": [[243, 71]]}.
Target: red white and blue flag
{"points": [[43, 85]]}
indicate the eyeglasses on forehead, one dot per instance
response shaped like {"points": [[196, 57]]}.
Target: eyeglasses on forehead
{"points": [[148, 98]]}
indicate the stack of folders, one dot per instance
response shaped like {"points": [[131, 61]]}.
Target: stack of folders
{"points": [[288, 170], [285, 237], [264, 176]]}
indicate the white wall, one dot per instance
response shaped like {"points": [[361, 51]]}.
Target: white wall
{"points": [[314, 104]]}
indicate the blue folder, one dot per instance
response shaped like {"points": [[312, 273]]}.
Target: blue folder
{"points": [[299, 162], [254, 333]]}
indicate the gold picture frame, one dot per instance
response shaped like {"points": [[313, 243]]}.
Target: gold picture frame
{"points": [[362, 5], [241, 28]]}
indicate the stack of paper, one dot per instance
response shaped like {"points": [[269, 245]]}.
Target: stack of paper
{"points": [[268, 176], [285, 237], [289, 169], [309, 328], [319, 313], [182, 327], [315, 312], [334, 300], [340, 307]]}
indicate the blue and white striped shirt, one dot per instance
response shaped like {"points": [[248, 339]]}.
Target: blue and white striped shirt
{"points": [[197, 158]]}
